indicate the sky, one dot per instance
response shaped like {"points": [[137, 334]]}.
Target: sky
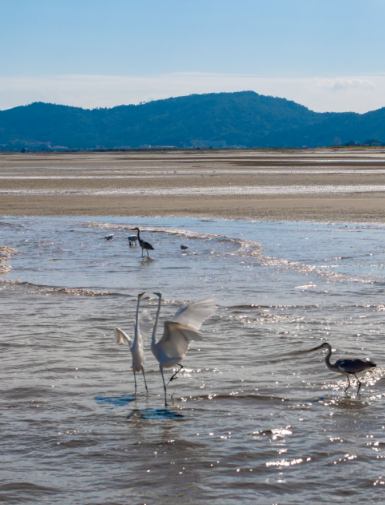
{"points": [[324, 54]]}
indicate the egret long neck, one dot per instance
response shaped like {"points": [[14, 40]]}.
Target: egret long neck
{"points": [[136, 323], [156, 323]]}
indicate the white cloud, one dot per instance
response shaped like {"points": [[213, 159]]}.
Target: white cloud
{"points": [[345, 93], [344, 83]]}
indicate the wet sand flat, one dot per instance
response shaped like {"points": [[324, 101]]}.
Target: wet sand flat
{"points": [[297, 185]]}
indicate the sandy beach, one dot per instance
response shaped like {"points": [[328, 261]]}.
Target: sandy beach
{"points": [[341, 185]]}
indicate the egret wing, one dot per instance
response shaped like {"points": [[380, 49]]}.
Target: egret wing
{"points": [[145, 323], [194, 314], [176, 339], [120, 337]]}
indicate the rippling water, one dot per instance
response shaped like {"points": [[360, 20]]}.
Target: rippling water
{"points": [[253, 419]]}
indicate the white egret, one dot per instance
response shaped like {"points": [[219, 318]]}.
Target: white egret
{"points": [[143, 244], [177, 335], [345, 366], [142, 324]]}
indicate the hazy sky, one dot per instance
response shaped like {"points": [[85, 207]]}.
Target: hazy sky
{"points": [[325, 54]]}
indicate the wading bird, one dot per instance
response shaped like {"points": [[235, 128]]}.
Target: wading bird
{"points": [[142, 324], [345, 366], [143, 244], [109, 237], [177, 335], [132, 239]]}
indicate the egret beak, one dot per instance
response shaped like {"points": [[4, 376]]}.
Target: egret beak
{"points": [[157, 294], [141, 294]]}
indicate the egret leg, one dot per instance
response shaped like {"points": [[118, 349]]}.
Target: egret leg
{"points": [[135, 381], [359, 383], [144, 377], [164, 385], [348, 386], [181, 366]]}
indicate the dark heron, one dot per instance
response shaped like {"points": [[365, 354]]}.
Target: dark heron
{"points": [[143, 244], [345, 366], [178, 333], [109, 237]]}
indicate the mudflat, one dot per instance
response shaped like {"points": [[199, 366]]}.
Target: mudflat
{"points": [[330, 184]]}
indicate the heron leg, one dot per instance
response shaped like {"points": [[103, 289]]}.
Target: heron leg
{"points": [[164, 385], [144, 377], [135, 381], [181, 366], [359, 383], [348, 386]]}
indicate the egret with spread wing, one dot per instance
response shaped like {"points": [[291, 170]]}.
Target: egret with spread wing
{"points": [[345, 366], [173, 346], [142, 324]]}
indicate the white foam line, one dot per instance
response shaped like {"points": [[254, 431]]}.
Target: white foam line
{"points": [[157, 174], [218, 191]]}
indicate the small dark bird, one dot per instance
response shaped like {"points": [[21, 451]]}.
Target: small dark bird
{"points": [[143, 244], [183, 247], [345, 366], [109, 237]]}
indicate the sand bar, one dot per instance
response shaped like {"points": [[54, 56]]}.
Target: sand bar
{"points": [[344, 185]]}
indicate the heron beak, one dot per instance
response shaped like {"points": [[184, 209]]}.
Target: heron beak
{"points": [[141, 294], [314, 349], [157, 294]]}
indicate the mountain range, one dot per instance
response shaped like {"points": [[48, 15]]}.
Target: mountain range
{"points": [[244, 119]]}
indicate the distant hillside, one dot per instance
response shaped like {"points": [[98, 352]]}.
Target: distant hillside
{"points": [[242, 118]]}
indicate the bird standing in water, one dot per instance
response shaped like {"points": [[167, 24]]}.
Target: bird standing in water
{"points": [[143, 244], [345, 366], [144, 324], [177, 335]]}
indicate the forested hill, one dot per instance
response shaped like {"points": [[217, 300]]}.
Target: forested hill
{"points": [[242, 119]]}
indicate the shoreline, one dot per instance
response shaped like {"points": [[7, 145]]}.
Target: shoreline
{"points": [[306, 186]]}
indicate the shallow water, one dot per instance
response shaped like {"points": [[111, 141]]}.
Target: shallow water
{"points": [[253, 419]]}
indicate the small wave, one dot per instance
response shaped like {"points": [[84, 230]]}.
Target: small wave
{"points": [[305, 269], [154, 414], [5, 269], [59, 290], [13, 225], [244, 245], [116, 401], [6, 252]]}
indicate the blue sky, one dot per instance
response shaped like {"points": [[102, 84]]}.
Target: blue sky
{"points": [[105, 52]]}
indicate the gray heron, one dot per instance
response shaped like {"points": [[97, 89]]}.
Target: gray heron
{"points": [[345, 366], [142, 324], [143, 244], [132, 239], [178, 333]]}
